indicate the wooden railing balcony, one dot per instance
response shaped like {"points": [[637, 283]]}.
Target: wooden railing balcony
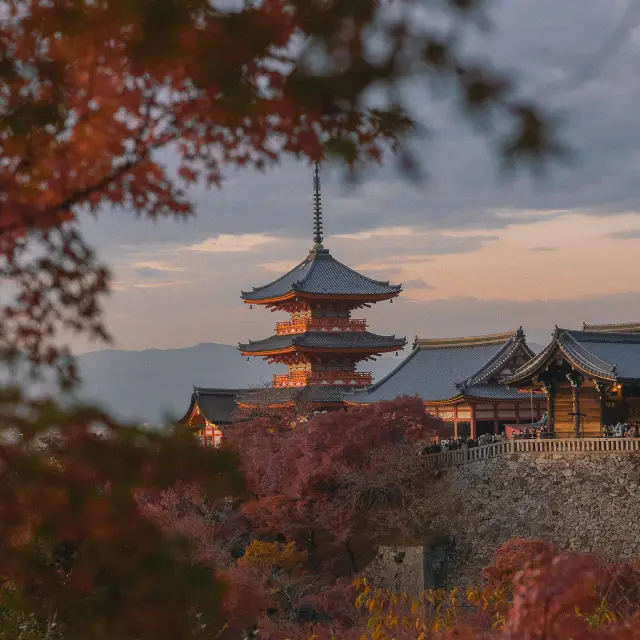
{"points": [[320, 324], [322, 378], [507, 447]]}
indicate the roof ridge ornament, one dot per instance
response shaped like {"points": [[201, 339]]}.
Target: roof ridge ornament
{"points": [[317, 210]]}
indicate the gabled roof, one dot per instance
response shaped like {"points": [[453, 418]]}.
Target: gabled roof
{"points": [[606, 355], [444, 369], [321, 274], [216, 405], [358, 340], [624, 327]]}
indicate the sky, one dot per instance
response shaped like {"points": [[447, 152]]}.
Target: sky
{"points": [[477, 251]]}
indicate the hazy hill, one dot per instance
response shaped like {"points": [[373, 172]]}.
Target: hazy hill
{"points": [[149, 385], [153, 384]]}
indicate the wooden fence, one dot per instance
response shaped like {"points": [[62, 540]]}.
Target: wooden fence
{"points": [[578, 445]]}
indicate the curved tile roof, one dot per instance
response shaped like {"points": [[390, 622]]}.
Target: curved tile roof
{"points": [[285, 395], [216, 405], [495, 391], [325, 340], [609, 354], [321, 274], [624, 327], [438, 370]]}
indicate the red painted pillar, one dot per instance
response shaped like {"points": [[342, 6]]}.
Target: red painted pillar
{"points": [[474, 430]]}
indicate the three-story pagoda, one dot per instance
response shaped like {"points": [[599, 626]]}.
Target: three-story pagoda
{"points": [[321, 344]]}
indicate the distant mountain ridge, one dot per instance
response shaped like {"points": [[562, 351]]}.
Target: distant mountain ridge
{"points": [[155, 385]]}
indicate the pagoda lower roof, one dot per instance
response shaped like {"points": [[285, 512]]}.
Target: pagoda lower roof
{"points": [[283, 396], [439, 370], [320, 274], [324, 340]]}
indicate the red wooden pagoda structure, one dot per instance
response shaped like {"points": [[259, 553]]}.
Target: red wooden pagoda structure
{"points": [[321, 343]]}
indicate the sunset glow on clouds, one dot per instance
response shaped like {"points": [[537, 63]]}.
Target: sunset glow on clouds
{"points": [[475, 251], [231, 243]]}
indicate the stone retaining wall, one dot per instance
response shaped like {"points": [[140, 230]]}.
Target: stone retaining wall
{"points": [[586, 502]]}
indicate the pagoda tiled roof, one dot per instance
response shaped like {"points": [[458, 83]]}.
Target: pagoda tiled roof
{"points": [[321, 274], [437, 370], [286, 395], [325, 340], [607, 355], [216, 405]]}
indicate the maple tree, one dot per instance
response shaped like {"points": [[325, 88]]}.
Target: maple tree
{"points": [[324, 490], [92, 90], [513, 555], [331, 482], [75, 548], [340, 481]]}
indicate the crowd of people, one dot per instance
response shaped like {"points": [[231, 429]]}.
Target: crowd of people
{"points": [[621, 430], [452, 444], [533, 433]]}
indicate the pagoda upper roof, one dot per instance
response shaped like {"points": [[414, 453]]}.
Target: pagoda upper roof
{"points": [[437, 370], [321, 274], [359, 340], [610, 355]]}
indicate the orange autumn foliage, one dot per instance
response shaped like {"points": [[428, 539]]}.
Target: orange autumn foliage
{"points": [[125, 103], [75, 543]]}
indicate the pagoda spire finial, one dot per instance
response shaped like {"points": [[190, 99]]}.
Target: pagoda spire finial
{"points": [[317, 209]]}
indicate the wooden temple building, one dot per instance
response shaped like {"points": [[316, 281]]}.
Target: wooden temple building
{"points": [[582, 380], [591, 378], [321, 343], [461, 380], [210, 411]]}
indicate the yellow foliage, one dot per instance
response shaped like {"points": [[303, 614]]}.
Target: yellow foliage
{"points": [[393, 616], [273, 555], [399, 615], [602, 616]]}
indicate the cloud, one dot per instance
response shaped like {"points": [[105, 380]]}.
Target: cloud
{"points": [[546, 47], [389, 263], [280, 267], [628, 234], [386, 274], [407, 244], [382, 232], [224, 319], [158, 285], [416, 283], [149, 273], [231, 243], [466, 231], [156, 266]]}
